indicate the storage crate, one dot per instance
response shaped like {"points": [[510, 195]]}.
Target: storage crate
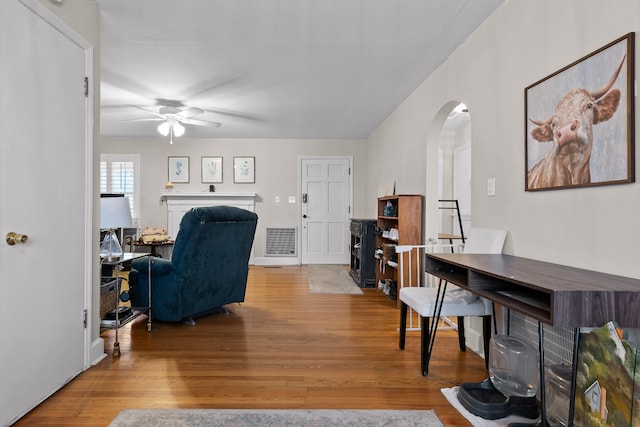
{"points": [[108, 297]]}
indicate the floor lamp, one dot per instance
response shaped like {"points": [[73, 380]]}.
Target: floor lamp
{"points": [[115, 212]]}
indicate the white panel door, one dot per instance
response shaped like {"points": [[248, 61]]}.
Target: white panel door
{"points": [[43, 193], [325, 209]]}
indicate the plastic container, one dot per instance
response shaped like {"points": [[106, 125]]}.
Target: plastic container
{"points": [[483, 400], [558, 390], [513, 366]]}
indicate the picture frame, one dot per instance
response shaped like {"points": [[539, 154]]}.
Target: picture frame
{"points": [[386, 188], [179, 169], [567, 146], [211, 169], [244, 170]]}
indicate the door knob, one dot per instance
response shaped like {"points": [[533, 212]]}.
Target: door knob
{"points": [[304, 216], [12, 238]]}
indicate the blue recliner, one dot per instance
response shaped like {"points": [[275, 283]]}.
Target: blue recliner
{"points": [[208, 267]]}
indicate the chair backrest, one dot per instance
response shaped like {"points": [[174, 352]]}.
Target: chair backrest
{"points": [[211, 256], [484, 241]]}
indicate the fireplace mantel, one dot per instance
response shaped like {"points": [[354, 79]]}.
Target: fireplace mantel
{"points": [[179, 203]]}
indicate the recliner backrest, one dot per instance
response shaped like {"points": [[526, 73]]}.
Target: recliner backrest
{"points": [[484, 241]]}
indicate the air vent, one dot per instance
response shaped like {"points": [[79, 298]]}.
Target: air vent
{"points": [[281, 242]]}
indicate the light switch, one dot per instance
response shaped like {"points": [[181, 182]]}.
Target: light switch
{"points": [[491, 186], [292, 199], [277, 199]]}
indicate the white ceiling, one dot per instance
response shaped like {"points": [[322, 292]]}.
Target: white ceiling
{"points": [[274, 68]]}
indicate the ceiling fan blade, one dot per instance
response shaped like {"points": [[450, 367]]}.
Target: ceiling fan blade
{"points": [[233, 114], [198, 122], [155, 113], [190, 112], [156, 119]]}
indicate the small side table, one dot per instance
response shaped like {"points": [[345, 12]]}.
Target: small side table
{"points": [[153, 246], [117, 323]]}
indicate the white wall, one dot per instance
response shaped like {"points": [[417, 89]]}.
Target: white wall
{"points": [[522, 42], [276, 173]]}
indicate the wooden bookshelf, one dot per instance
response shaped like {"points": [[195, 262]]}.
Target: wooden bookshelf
{"points": [[407, 219]]}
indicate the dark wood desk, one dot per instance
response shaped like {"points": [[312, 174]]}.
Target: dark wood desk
{"points": [[554, 294], [551, 293]]}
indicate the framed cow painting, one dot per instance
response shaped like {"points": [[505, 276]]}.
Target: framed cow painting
{"points": [[579, 122]]}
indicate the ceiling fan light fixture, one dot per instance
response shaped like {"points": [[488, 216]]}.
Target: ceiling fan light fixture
{"points": [[164, 128], [178, 129]]}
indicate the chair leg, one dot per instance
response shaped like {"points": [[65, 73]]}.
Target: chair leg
{"points": [[425, 340], [403, 325], [461, 338], [486, 335]]}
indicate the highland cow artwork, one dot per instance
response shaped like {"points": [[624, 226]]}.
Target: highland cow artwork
{"points": [[580, 122]]}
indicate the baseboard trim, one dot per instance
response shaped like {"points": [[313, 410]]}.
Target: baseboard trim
{"points": [[276, 261], [97, 351], [474, 341]]}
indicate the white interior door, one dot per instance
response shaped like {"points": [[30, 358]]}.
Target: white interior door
{"points": [[43, 192], [325, 206]]}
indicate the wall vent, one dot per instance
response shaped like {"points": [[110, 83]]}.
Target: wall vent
{"points": [[281, 242]]}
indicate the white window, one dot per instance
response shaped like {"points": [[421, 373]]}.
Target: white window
{"points": [[119, 173]]}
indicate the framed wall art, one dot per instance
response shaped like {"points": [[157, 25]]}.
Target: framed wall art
{"points": [[244, 170], [211, 168], [179, 169], [579, 122]]}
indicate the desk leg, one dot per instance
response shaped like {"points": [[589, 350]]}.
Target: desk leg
{"points": [[149, 290], [543, 399], [574, 374], [428, 336]]}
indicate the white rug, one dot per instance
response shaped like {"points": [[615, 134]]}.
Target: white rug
{"points": [[331, 279], [452, 396], [273, 418]]}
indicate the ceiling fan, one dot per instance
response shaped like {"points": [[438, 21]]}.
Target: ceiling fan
{"points": [[173, 116]]}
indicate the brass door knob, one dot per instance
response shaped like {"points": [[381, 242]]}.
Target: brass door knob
{"points": [[12, 238]]}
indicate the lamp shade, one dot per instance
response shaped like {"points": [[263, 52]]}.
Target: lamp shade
{"points": [[163, 128], [115, 212], [178, 129]]}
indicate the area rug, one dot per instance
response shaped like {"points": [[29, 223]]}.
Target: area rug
{"points": [[331, 279], [273, 418], [452, 396]]}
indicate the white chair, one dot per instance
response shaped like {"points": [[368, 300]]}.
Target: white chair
{"points": [[456, 302]]}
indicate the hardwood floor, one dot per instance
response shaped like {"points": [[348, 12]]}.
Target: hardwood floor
{"points": [[283, 348]]}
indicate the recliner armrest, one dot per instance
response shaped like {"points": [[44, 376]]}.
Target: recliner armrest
{"points": [[159, 266]]}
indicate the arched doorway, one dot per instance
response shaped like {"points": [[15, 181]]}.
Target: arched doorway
{"points": [[449, 177], [454, 171], [448, 169]]}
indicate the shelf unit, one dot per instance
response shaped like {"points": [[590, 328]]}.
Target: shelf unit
{"points": [[362, 249], [406, 218]]}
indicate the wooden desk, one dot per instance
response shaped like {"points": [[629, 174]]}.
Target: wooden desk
{"points": [[551, 293], [554, 294]]}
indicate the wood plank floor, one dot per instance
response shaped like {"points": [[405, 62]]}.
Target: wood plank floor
{"points": [[283, 348]]}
